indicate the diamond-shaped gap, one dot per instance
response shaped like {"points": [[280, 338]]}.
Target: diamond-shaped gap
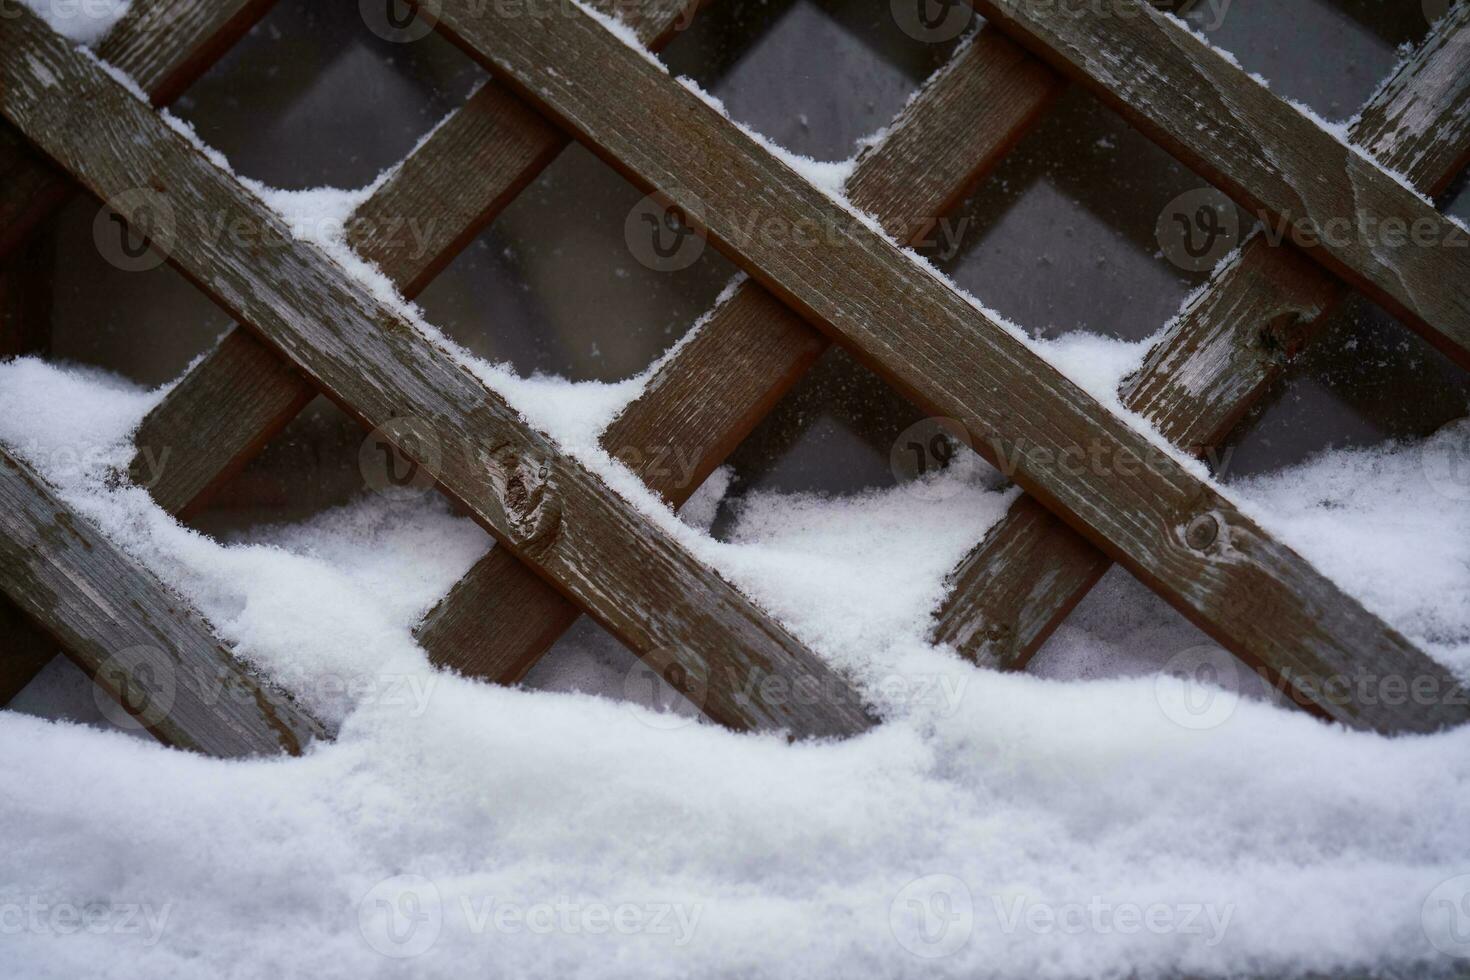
{"points": [[560, 284], [838, 431], [138, 318], [815, 76], [1274, 40], [587, 659], [319, 94], [1063, 234], [311, 466]]}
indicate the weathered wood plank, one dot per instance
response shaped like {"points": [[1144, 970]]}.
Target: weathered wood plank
{"points": [[1174, 531], [164, 45], [1220, 356], [1359, 221], [240, 396], [141, 643], [751, 349], [541, 505]]}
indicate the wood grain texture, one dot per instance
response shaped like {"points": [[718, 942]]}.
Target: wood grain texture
{"points": [[1254, 595], [443, 194], [163, 45], [542, 506], [709, 395], [1219, 357], [1272, 159], [141, 643]]}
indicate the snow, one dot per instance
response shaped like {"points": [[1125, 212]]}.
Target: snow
{"points": [[1285, 843], [81, 21]]}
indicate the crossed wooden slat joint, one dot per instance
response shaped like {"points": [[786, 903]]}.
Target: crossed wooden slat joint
{"points": [[567, 545]]}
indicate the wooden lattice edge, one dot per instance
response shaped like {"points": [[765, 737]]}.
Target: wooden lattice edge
{"points": [[163, 46]]}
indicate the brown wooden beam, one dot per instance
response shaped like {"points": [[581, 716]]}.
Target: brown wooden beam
{"points": [[140, 642], [163, 46]]}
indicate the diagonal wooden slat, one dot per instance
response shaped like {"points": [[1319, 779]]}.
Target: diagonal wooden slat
{"points": [[499, 619], [1218, 359], [141, 643], [746, 671], [163, 45], [239, 397], [1262, 151], [1173, 530]]}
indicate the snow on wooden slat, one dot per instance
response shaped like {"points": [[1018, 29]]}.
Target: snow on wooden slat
{"points": [[237, 398], [140, 642], [163, 45], [368, 356], [1216, 361], [1178, 534], [708, 396], [1274, 160]]}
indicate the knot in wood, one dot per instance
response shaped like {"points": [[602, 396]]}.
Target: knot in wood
{"points": [[1202, 531], [524, 484]]}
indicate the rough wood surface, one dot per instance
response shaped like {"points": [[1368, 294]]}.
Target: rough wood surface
{"points": [[1218, 358], [164, 45], [238, 397], [1263, 152], [1254, 595], [708, 396], [543, 506], [141, 643]]}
